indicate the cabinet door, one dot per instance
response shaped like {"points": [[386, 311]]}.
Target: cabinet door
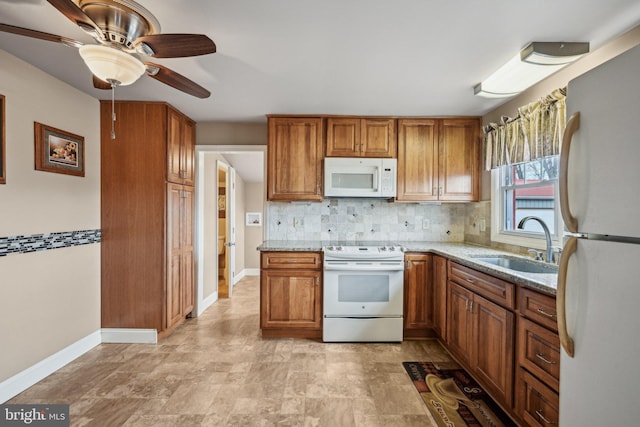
{"points": [[417, 160], [418, 292], [187, 250], [459, 320], [174, 255], [174, 140], [440, 296], [343, 137], [378, 138], [290, 299], [492, 344], [459, 160], [187, 151], [295, 154]]}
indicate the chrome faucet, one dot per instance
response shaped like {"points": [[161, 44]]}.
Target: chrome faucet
{"points": [[547, 235]]}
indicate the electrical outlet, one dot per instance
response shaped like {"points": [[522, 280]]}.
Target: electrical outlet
{"points": [[482, 224], [426, 224]]}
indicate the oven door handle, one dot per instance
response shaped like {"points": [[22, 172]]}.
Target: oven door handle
{"points": [[364, 266]]}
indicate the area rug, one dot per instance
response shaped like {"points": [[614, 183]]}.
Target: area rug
{"points": [[453, 397]]}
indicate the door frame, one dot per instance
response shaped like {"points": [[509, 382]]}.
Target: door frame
{"points": [[201, 150]]}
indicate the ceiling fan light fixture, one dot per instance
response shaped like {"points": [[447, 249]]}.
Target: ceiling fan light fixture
{"points": [[112, 65], [534, 63]]}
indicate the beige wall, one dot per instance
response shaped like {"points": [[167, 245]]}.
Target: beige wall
{"points": [[240, 227], [254, 202], [49, 299], [231, 133], [557, 80]]}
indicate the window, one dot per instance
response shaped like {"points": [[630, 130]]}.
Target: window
{"points": [[522, 190]]}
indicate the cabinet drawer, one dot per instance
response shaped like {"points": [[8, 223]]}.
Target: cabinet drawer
{"points": [[539, 308], [492, 288], [539, 351], [291, 260], [536, 403]]}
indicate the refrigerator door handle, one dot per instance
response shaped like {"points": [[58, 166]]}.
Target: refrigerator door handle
{"points": [[561, 303], [573, 124]]}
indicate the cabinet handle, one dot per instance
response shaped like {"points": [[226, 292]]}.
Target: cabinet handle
{"points": [[572, 125], [561, 303], [544, 359], [470, 280], [440, 191], [471, 307], [542, 417], [466, 305], [544, 313]]}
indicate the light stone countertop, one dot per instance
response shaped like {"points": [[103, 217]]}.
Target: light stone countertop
{"points": [[462, 253]]}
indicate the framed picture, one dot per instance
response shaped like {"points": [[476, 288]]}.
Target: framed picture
{"points": [[3, 165], [58, 151], [254, 219]]}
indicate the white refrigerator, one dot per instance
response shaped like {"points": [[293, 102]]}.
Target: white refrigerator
{"points": [[599, 280]]}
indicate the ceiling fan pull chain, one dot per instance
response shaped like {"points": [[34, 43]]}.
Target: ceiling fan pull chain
{"points": [[113, 110]]}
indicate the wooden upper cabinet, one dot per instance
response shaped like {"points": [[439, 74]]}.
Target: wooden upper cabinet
{"points": [[438, 160], [459, 160], [294, 159], [361, 137], [417, 160], [180, 148]]}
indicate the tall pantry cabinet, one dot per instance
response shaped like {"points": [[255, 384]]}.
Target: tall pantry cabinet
{"points": [[147, 209]]}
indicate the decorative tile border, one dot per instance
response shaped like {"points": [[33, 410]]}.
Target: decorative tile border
{"points": [[44, 242]]}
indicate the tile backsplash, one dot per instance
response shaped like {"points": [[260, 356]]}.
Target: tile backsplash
{"points": [[364, 219]]}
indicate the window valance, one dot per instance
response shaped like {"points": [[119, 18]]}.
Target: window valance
{"points": [[536, 132]]}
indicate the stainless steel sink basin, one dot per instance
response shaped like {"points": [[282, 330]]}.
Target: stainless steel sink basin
{"points": [[519, 264]]}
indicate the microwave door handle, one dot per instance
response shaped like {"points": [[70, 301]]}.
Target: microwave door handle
{"points": [[376, 178]]}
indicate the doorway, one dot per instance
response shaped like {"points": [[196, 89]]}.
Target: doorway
{"points": [[226, 229], [211, 254]]}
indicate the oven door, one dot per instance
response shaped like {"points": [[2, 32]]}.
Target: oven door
{"points": [[363, 288]]}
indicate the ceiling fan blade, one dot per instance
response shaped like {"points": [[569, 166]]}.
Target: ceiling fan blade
{"points": [[177, 45], [176, 80], [39, 35], [69, 9], [100, 84]]}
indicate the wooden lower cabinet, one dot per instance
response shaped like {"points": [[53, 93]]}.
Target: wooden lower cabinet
{"points": [[440, 296], [480, 334], [492, 347], [180, 253], [291, 294], [537, 404], [538, 349], [418, 295], [459, 322]]}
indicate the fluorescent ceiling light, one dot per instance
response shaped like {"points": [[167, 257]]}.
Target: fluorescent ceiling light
{"points": [[112, 65], [534, 63]]}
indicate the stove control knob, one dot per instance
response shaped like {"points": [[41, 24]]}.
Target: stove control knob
{"points": [[392, 248], [338, 248], [329, 248], [384, 248]]}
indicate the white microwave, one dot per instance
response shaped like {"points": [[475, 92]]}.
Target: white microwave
{"points": [[359, 177]]}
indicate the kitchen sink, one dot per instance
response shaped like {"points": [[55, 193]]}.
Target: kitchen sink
{"points": [[519, 264]]}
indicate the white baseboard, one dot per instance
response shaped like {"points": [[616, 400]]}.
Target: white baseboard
{"points": [[206, 303], [129, 336], [25, 379], [251, 271]]}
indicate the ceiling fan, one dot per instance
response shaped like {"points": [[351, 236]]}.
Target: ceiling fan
{"points": [[125, 32]]}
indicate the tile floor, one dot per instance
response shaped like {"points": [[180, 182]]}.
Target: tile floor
{"points": [[216, 370]]}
